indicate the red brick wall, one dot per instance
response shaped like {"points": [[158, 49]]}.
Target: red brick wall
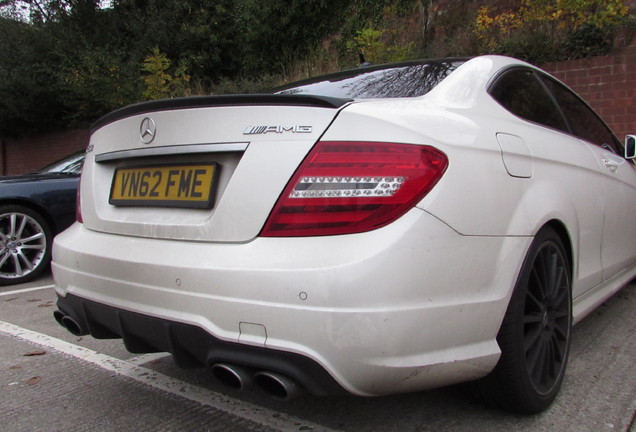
{"points": [[607, 83], [27, 154]]}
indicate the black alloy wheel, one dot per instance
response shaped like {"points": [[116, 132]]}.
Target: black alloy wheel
{"points": [[535, 335]]}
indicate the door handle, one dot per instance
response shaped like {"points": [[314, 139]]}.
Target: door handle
{"points": [[613, 166]]}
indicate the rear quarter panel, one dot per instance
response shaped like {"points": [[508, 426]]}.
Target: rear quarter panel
{"points": [[477, 196]]}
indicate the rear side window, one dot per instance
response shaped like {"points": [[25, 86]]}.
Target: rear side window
{"points": [[521, 93], [583, 121]]}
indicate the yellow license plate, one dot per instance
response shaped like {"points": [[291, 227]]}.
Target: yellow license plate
{"points": [[187, 185]]}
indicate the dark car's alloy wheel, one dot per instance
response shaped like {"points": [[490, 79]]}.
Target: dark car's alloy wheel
{"points": [[535, 335], [25, 244]]}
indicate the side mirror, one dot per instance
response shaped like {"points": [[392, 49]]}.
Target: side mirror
{"points": [[630, 147]]}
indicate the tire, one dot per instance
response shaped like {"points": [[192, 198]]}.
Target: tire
{"points": [[25, 244], [535, 334]]}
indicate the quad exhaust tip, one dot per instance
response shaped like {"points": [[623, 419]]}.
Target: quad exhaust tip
{"points": [[271, 383], [233, 376], [69, 323], [237, 377], [277, 385]]}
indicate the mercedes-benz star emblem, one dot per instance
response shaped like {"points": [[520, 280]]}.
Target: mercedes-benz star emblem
{"points": [[147, 130]]}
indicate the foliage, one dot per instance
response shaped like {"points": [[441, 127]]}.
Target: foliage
{"points": [[94, 83], [548, 30], [40, 11], [380, 46], [272, 34], [159, 83], [242, 85], [65, 63], [28, 101], [450, 30]]}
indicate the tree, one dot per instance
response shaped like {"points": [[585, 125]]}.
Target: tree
{"points": [[271, 34], [548, 30], [379, 46], [40, 11], [159, 83], [64, 63], [28, 101]]}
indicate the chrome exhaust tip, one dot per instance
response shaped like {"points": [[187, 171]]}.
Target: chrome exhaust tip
{"points": [[73, 326], [59, 316], [277, 385], [69, 323], [233, 376]]}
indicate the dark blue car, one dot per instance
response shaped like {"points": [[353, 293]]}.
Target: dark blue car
{"points": [[33, 209]]}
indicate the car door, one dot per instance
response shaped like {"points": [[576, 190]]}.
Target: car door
{"points": [[558, 158], [618, 244], [619, 230]]}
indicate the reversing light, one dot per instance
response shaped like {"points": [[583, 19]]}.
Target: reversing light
{"points": [[352, 187], [320, 187]]}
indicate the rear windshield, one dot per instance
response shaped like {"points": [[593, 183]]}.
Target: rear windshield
{"points": [[387, 81]]}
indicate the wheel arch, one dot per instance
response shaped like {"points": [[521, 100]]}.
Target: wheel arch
{"points": [[563, 233], [513, 385]]}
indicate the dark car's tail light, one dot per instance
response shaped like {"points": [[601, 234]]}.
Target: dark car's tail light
{"points": [[352, 187]]}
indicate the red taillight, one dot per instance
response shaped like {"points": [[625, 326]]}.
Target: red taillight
{"points": [[78, 206], [352, 187]]}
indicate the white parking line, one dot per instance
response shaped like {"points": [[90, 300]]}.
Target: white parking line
{"points": [[147, 358], [235, 407], [24, 290]]}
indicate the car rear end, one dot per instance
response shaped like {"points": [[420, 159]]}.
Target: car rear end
{"points": [[240, 234]]}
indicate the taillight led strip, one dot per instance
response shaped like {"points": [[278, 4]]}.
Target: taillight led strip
{"points": [[347, 187]]}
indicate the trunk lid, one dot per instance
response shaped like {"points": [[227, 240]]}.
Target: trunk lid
{"points": [[248, 146]]}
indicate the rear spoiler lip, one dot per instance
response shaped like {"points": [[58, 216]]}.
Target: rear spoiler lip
{"points": [[218, 101]]}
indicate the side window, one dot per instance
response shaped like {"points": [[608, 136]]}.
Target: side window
{"points": [[520, 92], [583, 121]]}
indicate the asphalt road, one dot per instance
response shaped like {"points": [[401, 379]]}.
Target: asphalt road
{"points": [[54, 381]]}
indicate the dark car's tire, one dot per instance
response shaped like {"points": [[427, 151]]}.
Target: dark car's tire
{"points": [[25, 244], [535, 335]]}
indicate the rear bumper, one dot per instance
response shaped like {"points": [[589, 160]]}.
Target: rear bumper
{"points": [[410, 306], [189, 345]]}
